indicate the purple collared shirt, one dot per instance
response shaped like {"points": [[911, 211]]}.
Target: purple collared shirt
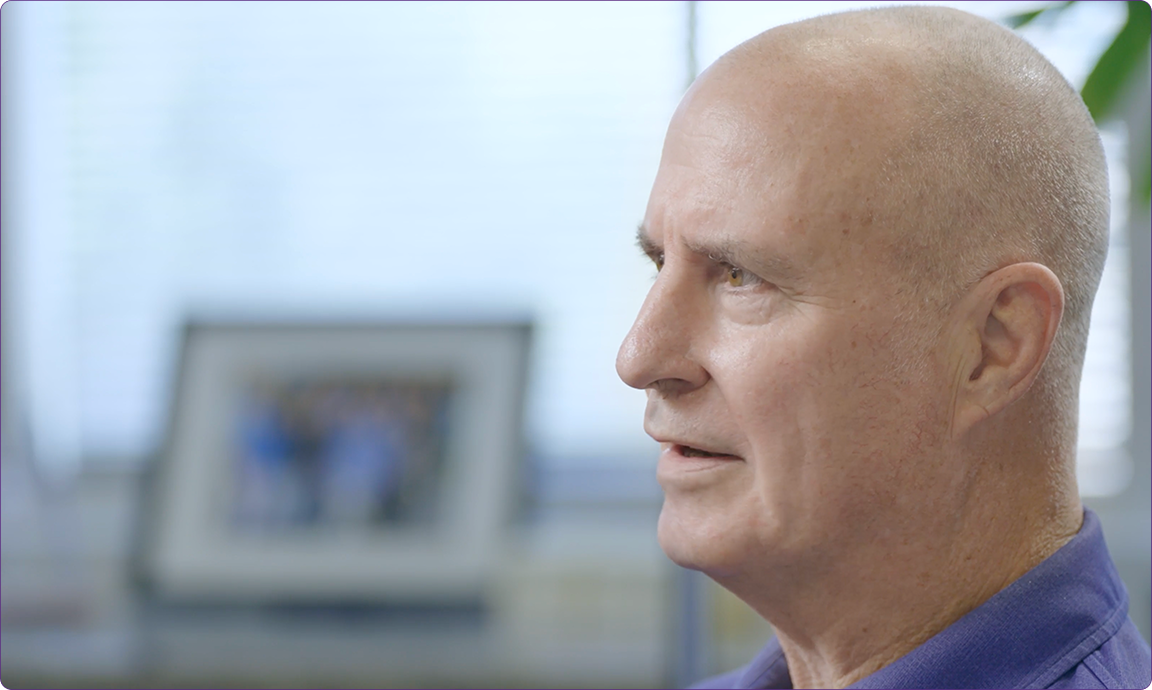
{"points": [[1064, 624]]}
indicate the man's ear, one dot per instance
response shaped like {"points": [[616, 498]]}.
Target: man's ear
{"points": [[1007, 324]]}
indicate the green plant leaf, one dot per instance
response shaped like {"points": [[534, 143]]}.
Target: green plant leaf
{"points": [[1105, 85], [1024, 18], [1018, 20]]}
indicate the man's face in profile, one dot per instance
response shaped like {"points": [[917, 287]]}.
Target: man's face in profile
{"points": [[789, 379]]}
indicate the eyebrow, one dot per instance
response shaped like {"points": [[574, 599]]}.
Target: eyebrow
{"points": [[647, 246], [728, 250]]}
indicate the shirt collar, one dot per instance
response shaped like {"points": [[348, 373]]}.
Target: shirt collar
{"points": [[768, 670], [1028, 634]]}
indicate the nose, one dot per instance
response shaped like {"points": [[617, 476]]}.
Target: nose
{"points": [[658, 352]]}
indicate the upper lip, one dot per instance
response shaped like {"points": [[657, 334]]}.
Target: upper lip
{"points": [[706, 447]]}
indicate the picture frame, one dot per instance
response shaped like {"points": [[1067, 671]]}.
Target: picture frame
{"points": [[312, 462]]}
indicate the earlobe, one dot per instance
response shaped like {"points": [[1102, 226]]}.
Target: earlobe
{"points": [[1013, 315]]}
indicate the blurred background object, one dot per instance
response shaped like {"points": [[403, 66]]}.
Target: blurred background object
{"points": [[387, 162], [337, 463]]}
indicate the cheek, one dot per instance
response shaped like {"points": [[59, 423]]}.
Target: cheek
{"points": [[881, 415], [828, 412], [785, 390]]}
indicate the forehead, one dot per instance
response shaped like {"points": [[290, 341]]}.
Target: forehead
{"points": [[789, 177]]}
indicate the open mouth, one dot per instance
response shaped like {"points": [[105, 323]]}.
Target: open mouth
{"points": [[690, 452]]}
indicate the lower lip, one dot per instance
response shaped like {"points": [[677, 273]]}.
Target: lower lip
{"points": [[674, 458]]}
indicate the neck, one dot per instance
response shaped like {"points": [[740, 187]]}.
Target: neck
{"points": [[844, 617]]}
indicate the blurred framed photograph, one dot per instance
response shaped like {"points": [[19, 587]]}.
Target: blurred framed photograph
{"points": [[312, 462]]}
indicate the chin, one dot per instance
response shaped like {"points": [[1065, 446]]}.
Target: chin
{"points": [[698, 544]]}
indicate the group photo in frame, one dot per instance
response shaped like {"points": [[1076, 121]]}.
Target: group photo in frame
{"points": [[328, 462]]}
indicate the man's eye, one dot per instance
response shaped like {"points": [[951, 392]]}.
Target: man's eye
{"points": [[738, 277], [659, 261]]}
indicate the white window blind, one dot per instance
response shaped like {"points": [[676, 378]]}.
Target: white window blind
{"points": [[362, 159]]}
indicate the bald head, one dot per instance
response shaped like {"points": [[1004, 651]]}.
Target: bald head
{"points": [[955, 143]]}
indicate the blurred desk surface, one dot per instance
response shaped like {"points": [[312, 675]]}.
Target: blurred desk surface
{"points": [[582, 599]]}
